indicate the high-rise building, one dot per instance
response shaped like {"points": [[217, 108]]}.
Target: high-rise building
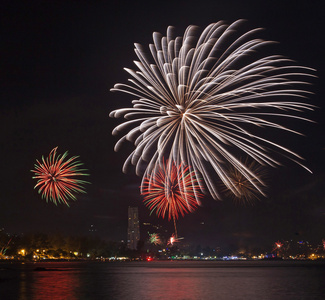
{"points": [[133, 228]]}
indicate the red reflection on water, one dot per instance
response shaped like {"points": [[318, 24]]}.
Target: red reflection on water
{"points": [[55, 284], [173, 283], [180, 287]]}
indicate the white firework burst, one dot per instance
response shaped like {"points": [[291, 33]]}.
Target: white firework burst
{"points": [[199, 97]]}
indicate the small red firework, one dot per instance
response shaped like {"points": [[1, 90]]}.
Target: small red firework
{"points": [[171, 190], [277, 246], [173, 239], [57, 179]]}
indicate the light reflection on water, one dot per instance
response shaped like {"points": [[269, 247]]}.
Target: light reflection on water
{"points": [[55, 285], [161, 280]]}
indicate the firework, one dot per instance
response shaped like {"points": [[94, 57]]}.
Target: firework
{"points": [[246, 191], [154, 239], [277, 246], [198, 99], [173, 239], [171, 190], [57, 178]]}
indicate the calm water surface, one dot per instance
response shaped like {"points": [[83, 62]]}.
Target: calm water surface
{"points": [[163, 280]]}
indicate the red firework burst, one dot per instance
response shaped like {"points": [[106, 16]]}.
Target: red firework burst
{"points": [[171, 190], [57, 178], [277, 246], [173, 239]]}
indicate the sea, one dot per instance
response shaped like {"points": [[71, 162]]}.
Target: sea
{"points": [[173, 280]]}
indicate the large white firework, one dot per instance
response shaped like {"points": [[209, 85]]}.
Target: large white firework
{"points": [[199, 97]]}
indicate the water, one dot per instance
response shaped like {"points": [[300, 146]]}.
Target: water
{"points": [[163, 280]]}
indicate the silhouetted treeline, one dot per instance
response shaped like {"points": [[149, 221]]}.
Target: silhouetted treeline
{"points": [[59, 246]]}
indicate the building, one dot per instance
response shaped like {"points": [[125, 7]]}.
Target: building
{"points": [[133, 228]]}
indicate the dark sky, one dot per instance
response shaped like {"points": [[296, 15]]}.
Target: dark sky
{"points": [[58, 61]]}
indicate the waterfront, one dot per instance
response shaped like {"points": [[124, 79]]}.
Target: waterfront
{"points": [[163, 279]]}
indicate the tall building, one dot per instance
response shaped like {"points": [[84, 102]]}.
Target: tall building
{"points": [[133, 228]]}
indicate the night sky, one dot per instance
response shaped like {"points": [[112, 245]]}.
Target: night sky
{"points": [[59, 60]]}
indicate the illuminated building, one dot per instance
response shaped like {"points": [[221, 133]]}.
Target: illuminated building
{"points": [[133, 228]]}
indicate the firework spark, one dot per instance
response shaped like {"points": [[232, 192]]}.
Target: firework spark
{"points": [[57, 178], [199, 96]]}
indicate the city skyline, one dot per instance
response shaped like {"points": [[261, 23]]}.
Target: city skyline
{"points": [[40, 246]]}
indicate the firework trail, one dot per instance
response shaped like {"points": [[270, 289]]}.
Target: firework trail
{"points": [[57, 178], [202, 99]]}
